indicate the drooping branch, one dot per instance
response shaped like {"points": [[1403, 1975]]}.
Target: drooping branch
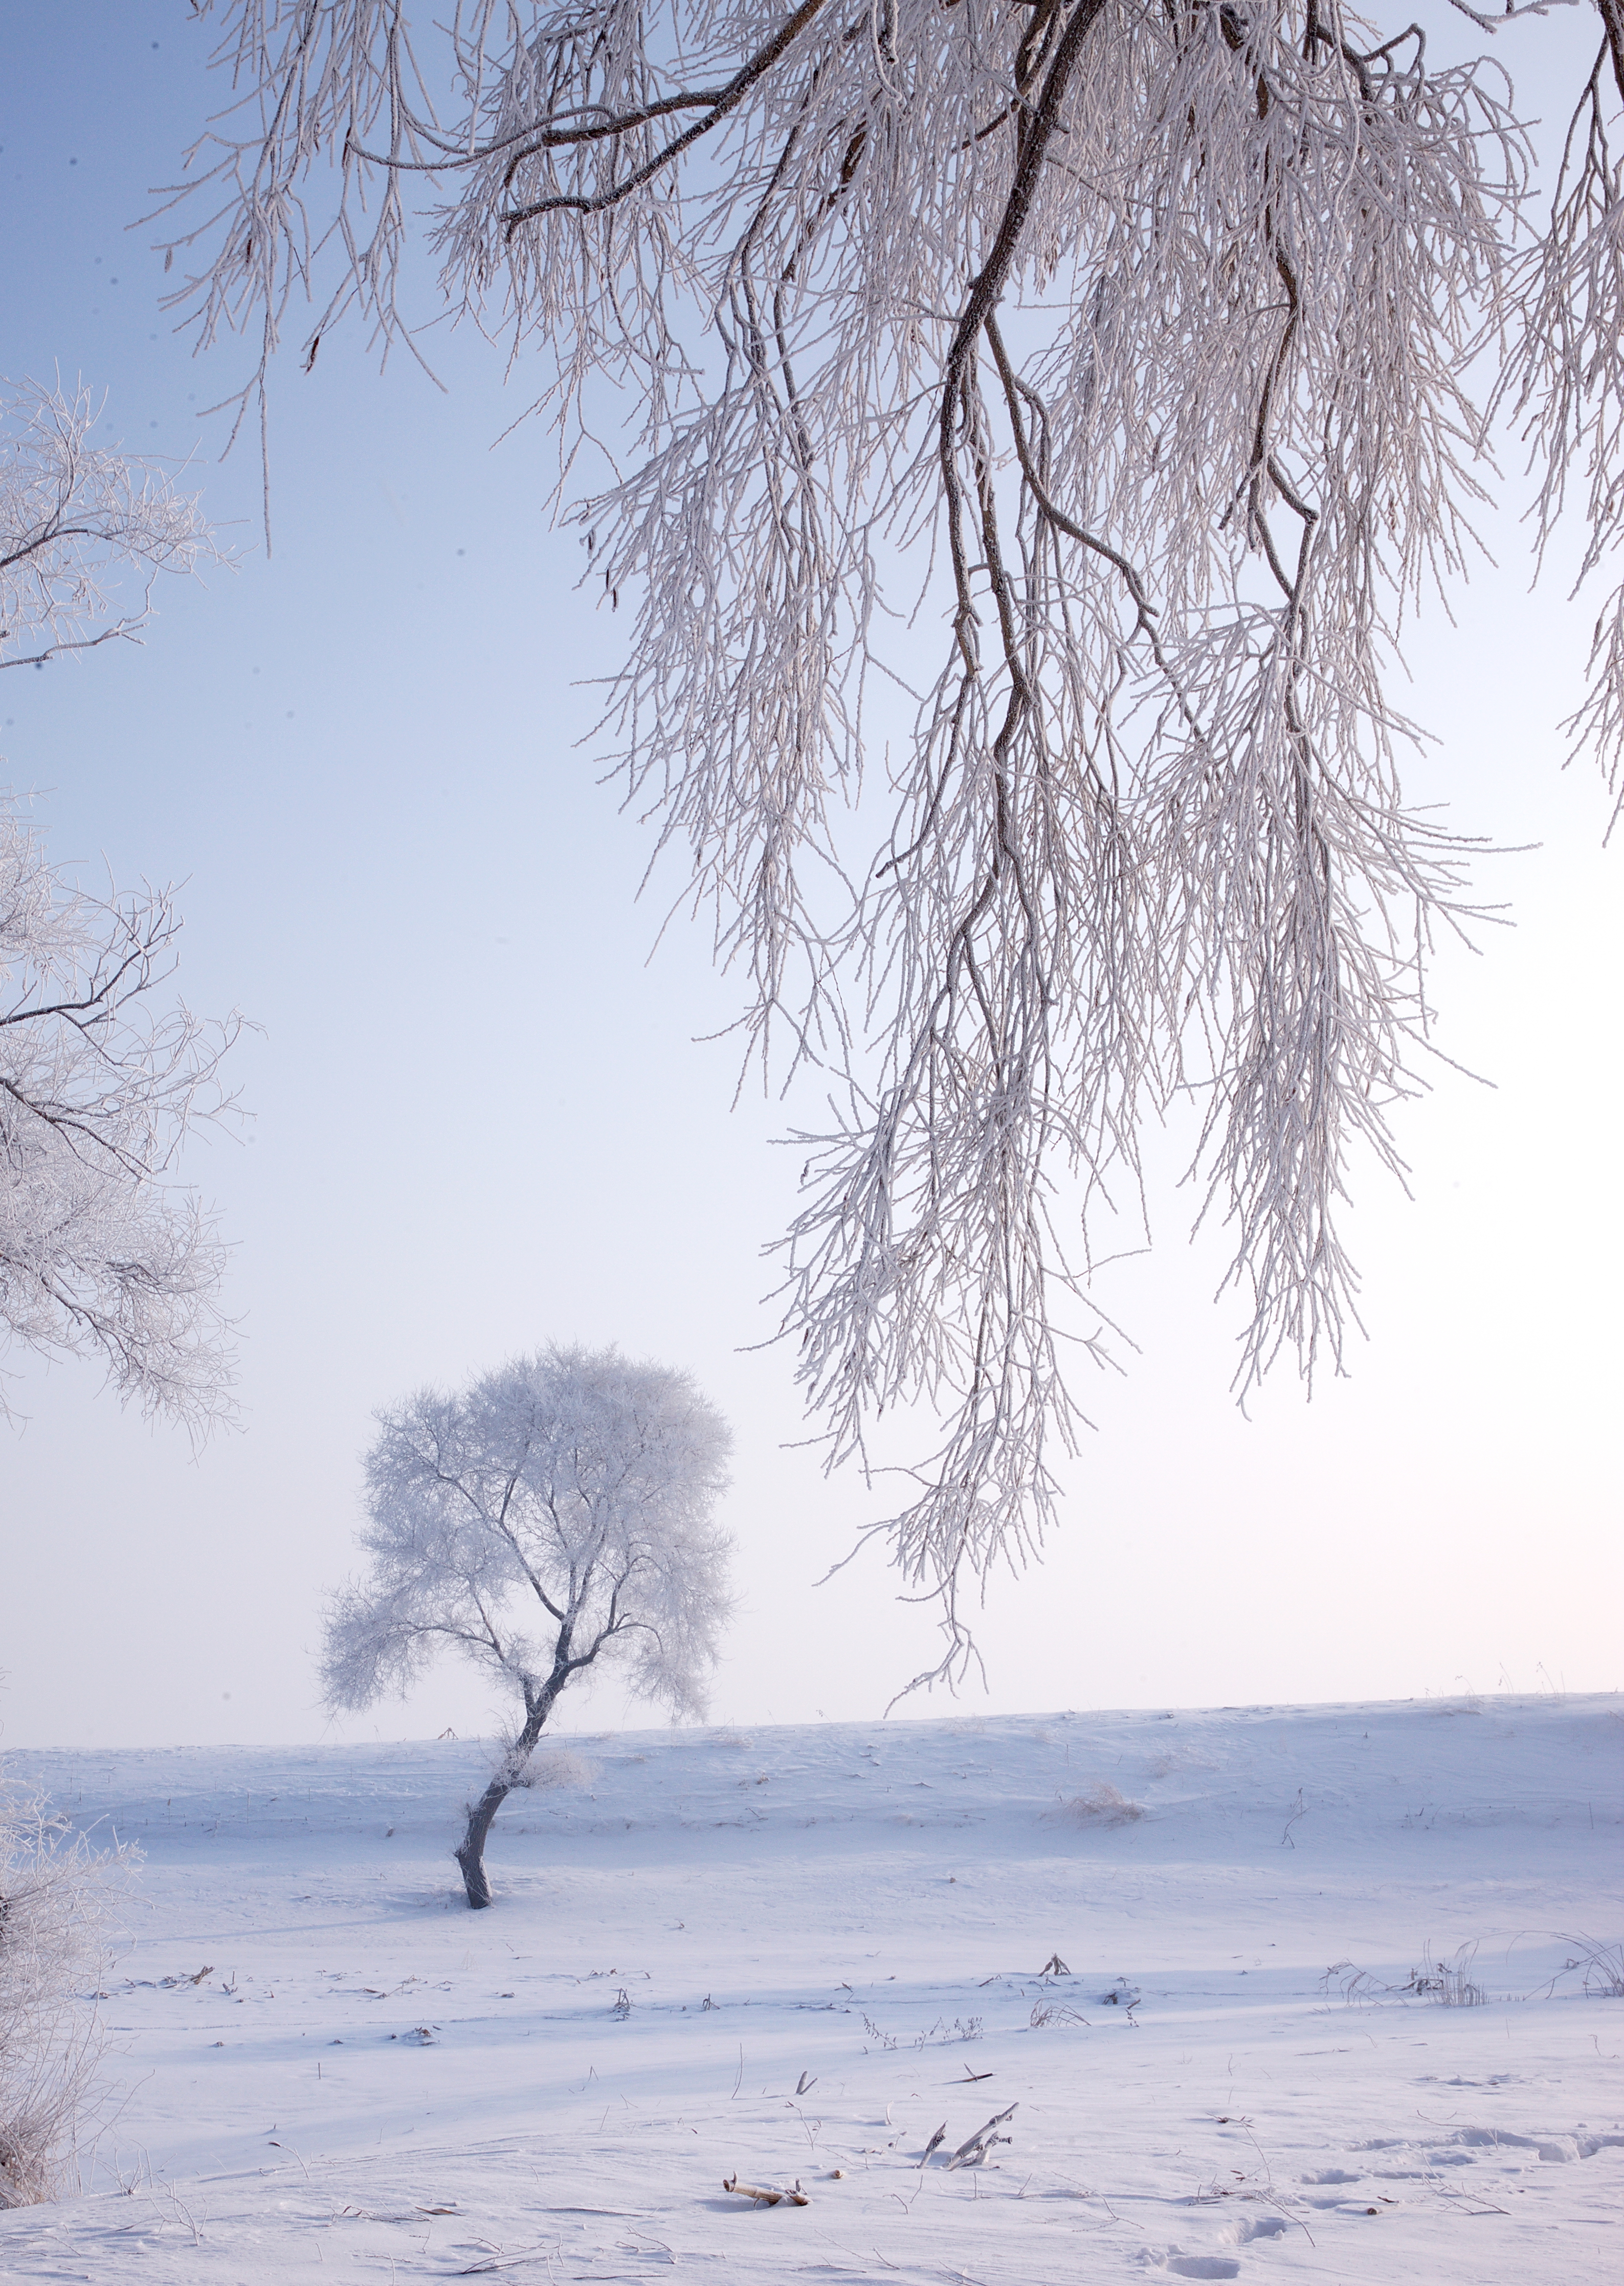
{"points": [[1149, 336]]}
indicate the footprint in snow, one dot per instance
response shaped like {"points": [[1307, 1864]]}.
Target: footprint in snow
{"points": [[1215, 2266]]}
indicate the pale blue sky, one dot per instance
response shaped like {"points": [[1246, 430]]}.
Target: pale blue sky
{"points": [[480, 1119]]}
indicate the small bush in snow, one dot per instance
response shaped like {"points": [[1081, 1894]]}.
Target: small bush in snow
{"points": [[1450, 1982], [559, 1769], [1099, 1805]]}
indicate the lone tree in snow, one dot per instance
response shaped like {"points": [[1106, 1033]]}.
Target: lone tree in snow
{"points": [[1145, 352], [570, 1491], [102, 1073]]}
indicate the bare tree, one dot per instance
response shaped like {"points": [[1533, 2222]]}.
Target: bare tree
{"points": [[573, 1491], [1146, 334]]}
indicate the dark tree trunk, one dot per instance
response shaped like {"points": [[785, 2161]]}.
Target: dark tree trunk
{"points": [[509, 1773], [471, 1851]]}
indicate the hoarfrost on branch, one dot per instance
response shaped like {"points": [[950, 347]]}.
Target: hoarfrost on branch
{"points": [[1129, 345], [102, 1071]]}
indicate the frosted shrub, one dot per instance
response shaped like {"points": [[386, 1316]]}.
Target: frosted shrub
{"points": [[1100, 1804], [53, 1895], [557, 1771]]}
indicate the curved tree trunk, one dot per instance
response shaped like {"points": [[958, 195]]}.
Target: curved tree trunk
{"points": [[509, 1772], [470, 1850]]}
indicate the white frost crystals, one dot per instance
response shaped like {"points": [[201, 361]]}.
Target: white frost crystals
{"points": [[69, 509], [1129, 354], [102, 1253]]}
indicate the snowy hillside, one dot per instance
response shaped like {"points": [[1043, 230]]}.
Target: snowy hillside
{"points": [[1202, 1965]]}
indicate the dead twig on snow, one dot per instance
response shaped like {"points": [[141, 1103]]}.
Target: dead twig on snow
{"points": [[974, 2151], [764, 2198]]}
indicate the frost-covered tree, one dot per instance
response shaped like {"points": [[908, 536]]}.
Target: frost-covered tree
{"points": [[102, 1071], [103, 1252], [555, 1513], [1134, 351]]}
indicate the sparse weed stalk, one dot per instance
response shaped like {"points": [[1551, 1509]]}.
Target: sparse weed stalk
{"points": [[1258, 2183], [1450, 1982], [1045, 2013], [1602, 1966], [886, 2041], [1352, 1984], [942, 2034]]}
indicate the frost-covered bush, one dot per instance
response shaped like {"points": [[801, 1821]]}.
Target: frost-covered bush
{"points": [[53, 1897], [559, 1770], [1100, 1804]]}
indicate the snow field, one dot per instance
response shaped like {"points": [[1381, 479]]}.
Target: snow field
{"points": [[794, 1955]]}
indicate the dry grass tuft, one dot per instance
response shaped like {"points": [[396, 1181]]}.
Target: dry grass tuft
{"points": [[1100, 1804], [561, 1768]]}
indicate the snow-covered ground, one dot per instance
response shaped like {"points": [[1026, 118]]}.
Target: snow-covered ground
{"points": [[1179, 1952]]}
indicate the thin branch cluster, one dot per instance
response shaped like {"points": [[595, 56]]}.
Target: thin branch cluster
{"points": [[1127, 347], [103, 1252], [1566, 383], [72, 513]]}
